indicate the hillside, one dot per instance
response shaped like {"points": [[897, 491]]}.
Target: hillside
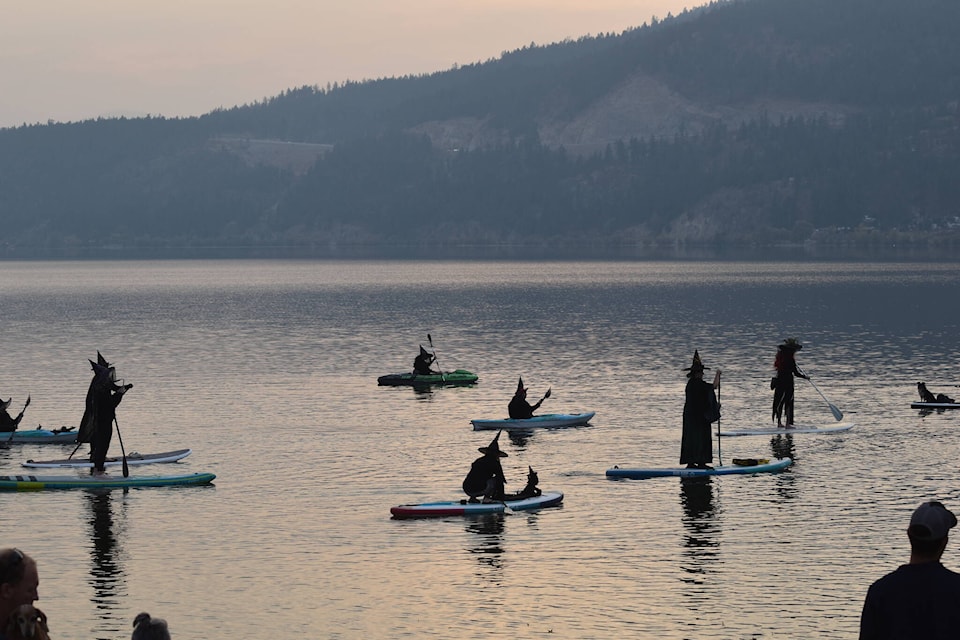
{"points": [[745, 123]]}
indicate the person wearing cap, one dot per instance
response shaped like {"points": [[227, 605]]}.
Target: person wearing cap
{"points": [[421, 364], [7, 423], [920, 599], [485, 478], [18, 583], [782, 384], [700, 409], [519, 408]]}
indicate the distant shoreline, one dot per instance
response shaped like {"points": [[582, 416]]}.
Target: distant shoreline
{"points": [[510, 252]]}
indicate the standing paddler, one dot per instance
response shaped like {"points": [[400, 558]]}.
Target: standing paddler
{"points": [[103, 397], [782, 384], [700, 409]]}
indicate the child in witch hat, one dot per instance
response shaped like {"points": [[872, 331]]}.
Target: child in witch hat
{"points": [[485, 478], [519, 408]]}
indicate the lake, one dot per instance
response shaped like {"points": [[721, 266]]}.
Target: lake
{"points": [[268, 371]]}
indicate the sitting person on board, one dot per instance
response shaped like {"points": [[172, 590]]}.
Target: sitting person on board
{"points": [[927, 396], [485, 479], [421, 364], [8, 424], [519, 408]]}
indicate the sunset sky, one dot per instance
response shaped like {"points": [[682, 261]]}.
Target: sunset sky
{"points": [[65, 60]]}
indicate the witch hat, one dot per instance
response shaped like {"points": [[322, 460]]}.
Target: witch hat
{"points": [[520, 388], [790, 344], [697, 364], [493, 447], [424, 352], [101, 360]]}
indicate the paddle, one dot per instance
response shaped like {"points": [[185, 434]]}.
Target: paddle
{"points": [[545, 396], [439, 369], [19, 418], [837, 414], [126, 469], [719, 451]]}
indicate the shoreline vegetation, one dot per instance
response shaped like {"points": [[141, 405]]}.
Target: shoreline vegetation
{"points": [[733, 129], [880, 247]]}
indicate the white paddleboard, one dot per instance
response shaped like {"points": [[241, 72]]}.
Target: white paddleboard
{"points": [[784, 431], [751, 466], [113, 461]]}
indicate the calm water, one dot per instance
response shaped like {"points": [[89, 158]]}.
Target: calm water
{"points": [[267, 370]]}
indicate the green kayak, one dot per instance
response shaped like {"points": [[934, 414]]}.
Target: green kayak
{"points": [[460, 376]]}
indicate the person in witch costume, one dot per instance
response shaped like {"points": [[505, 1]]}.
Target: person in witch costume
{"points": [[421, 364], [700, 409], [105, 394], [485, 478], [782, 383], [519, 408], [8, 423], [86, 422]]}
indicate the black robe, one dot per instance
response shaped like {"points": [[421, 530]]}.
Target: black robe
{"points": [[104, 400], [520, 409], [700, 409], [482, 471]]}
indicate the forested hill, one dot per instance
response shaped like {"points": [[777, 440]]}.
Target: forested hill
{"points": [[751, 122]]}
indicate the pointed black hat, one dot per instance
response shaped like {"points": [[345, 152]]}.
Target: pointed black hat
{"points": [[493, 447], [697, 364]]}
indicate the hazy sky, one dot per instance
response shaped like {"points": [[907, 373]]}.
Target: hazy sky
{"points": [[68, 60]]}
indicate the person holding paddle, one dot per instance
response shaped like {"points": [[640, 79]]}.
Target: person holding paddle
{"points": [[106, 394], [519, 408], [782, 384], [421, 364], [8, 424], [700, 409]]}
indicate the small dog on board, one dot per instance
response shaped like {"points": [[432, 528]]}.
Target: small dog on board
{"points": [[927, 396], [27, 623], [531, 490]]}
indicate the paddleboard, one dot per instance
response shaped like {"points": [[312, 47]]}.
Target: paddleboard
{"points": [[546, 421], [113, 461], [780, 431], [464, 508], [769, 466], [38, 483], [935, 405], [39, 436]]}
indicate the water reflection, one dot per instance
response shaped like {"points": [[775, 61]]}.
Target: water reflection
{"points": [[520, 437], [106, 571], [488, 544], [702, 528], [782, 447]]}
